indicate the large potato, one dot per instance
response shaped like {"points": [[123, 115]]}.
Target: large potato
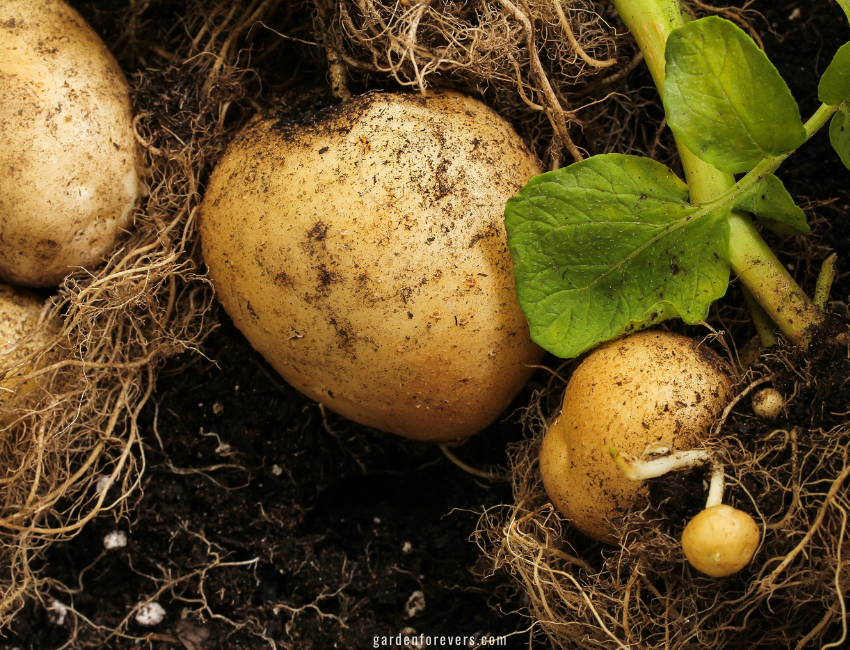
{"points": [[651, 387], [363, 254], [68, 183]]}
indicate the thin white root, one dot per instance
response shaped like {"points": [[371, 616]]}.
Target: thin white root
{"points": [[716, 486], [489, 475]]}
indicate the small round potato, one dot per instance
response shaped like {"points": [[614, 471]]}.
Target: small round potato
{"points": [[768, 403], [650, 387], [720, 540], [68, 184], [363, 254], [20, 311]]}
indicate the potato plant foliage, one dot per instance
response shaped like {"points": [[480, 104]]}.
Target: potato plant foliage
{"points": [[611, 244]]}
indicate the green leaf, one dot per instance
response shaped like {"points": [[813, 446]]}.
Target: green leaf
{"points": [[724, 99], [774, 208], [845, 5], [834, 86], [839, 134], [611, 245]]}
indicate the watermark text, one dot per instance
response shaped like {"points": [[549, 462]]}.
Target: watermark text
{"points": [[418, 641]]}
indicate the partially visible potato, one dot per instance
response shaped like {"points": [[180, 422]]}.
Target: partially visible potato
{"points": [[68, 183], [650, 387], [19, 314], [363, 253]]}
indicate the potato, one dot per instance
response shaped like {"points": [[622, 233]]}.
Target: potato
{"points": [[19, 315], [69, 156], [363, 254], [651, 387], [768, 403], [720, 540]]}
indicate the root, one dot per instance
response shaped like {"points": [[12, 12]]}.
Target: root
{"points": [[767, 583], [568, 30], [732, 404], [164, 586], [533, 57], [490, 475], [556, 113]]}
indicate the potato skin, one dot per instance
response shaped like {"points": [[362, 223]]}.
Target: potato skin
{"points": [[364, 256], [69, 156], [19, 314], [648, 387]]}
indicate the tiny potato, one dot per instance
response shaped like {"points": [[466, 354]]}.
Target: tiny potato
{"points": [[768, 403], [69, 155], [720, 540], [363, 254], [651, 388]]}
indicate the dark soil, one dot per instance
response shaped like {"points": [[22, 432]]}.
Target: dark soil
{"points": [[262, 522], [312, 534]]}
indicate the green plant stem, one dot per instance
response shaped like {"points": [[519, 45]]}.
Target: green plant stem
{"points": [[650, 22], [771, 163], [755, 265], [765, 328], [825, 280], [771, 285]]}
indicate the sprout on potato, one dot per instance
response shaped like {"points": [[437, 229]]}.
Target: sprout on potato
{"points": [[69, 155], [651, 387], [363, 254]]}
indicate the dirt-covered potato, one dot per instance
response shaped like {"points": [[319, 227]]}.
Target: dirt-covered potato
{"points": [[20, 311], [69, 157], [363, 253], [650, 387]]}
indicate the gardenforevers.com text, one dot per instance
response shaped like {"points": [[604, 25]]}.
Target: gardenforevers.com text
{"points": [[436, 641]]}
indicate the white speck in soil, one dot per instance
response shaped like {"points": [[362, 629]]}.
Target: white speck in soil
{"points": [[409, 635], [218, 409], [407, 547], [56, 612], [277, 470], [414, 604], [115, 540], [150, 614]]}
